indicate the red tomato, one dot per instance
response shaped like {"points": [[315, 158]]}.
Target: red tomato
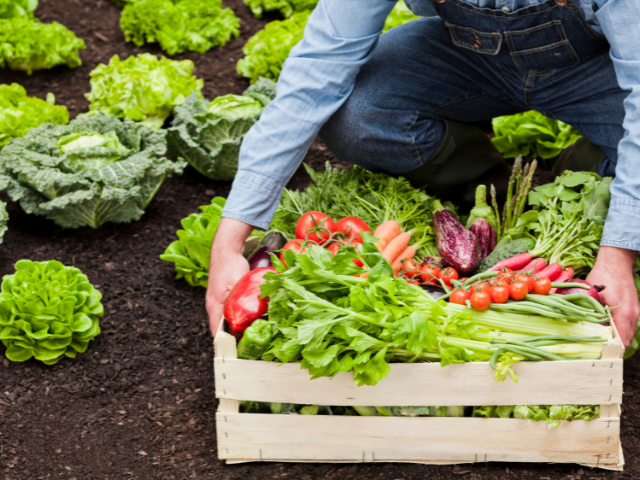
{"points": [[518, 290], [295, 245], [410, 269], [449, 274], [503, 280], [352, 227], [481, 287], [542, 286], [315, 227], [430, 274], [480, 300], [459, 297], [526, 279], [499, 293]]}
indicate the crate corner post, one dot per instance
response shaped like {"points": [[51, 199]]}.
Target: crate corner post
{"points": [[225, 349]]}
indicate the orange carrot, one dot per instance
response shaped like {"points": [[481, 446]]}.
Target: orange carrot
{"points": [[386, 232], [396, 246], [407, 254]]}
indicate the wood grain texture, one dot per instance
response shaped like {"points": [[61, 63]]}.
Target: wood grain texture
{"points": [[225, 350], [258, 437], [572, 382]]}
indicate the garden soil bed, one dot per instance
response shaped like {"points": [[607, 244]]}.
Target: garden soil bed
{"points": [[140, 403]]}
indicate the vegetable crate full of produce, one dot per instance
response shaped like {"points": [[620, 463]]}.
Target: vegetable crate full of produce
{"points": [[249, 437]]}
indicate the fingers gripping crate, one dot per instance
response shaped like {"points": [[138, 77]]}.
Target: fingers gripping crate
{"points": [[430, 440]]}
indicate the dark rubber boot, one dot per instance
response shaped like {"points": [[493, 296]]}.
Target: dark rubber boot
{"points": [[466, 159], [582, 156]]}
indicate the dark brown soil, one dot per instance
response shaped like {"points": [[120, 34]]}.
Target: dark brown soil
{"points": [[140, 403]]}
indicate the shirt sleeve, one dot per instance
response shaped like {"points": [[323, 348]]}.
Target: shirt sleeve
{"points": [[315, 81], [619, 20]]}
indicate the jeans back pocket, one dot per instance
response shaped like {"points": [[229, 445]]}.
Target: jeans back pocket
{"points": [[541, 47], [488, 43]]}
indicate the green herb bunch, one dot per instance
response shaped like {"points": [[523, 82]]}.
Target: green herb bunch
{"points": [[373, 197], [48, 311]]}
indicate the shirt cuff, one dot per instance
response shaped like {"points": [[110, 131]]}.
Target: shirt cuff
{"points": [[253, 199], [622, 228]]}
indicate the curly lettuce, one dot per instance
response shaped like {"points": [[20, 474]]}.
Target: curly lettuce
{"points": [[267, 50], [398, 16], [144, 88], [208, 135], [179, 25], [48, 311], [19, 113], [285, 7], [94, 170], [27, 44], [17, 8], [532, 135]]}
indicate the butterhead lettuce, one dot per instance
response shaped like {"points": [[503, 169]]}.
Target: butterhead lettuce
{"points": [[285, 7], [144, 88], [48, 311]]}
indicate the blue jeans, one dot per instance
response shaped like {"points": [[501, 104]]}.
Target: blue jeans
{"points": [[417, 76]]}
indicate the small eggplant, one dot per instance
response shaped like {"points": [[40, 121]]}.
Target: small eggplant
{"points": [[486, 236], [434, 262], [260, 257], [457, 245]]}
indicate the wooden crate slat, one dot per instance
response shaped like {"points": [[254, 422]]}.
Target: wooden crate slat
{"points": [[256, 437], [572, 382]]}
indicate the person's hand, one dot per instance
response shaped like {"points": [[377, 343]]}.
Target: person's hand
{"points": [[613, 269], [226, 268]]}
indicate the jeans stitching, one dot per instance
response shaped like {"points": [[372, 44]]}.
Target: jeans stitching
{"points": [[496, 14], [459, 43], [583, 21], [527, 87], [417, 154]]}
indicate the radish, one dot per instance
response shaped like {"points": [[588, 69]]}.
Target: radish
{"points": [[552, 272], [536, 265], [513, 263]]}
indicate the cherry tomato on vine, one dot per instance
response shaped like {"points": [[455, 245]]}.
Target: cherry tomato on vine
{"points": [[352, 227], [542, 286], [480, 287], [459, 297], [295, 245], [499, 293], [463, 279], [526, 279], [336, 246], [503, 280], [449, 274], [430, 274], [518, 290], [410, 269], [480, 300], [315, 227]]}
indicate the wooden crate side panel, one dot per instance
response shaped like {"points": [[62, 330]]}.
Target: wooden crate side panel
{"points": [[225, 349], [571, 382], [255, 437]]}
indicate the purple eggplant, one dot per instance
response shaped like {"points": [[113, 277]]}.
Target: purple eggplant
{"points": [[485, 235], [457, 245], [261, 256], [434, 262]]}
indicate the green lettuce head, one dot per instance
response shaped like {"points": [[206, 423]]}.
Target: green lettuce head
{"points": [[144, 88], [48, 311], [285, 7], [95, 170]]}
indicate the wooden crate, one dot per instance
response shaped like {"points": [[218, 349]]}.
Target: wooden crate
{"points": [[430, 440]]}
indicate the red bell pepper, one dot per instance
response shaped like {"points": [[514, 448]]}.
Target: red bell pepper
{"points": [[244, 305]]}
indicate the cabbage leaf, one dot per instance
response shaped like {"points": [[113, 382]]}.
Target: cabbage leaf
{"points": [[532, 135], [48, 311], [143, 88], [19, 113], [179, 25], [209, 136], [27, 44], [267, 50], [285, 7], [95, 170]]}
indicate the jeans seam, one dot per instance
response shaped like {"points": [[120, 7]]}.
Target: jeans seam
{"points": [[417, 154], [528, 83], [583, 21]]}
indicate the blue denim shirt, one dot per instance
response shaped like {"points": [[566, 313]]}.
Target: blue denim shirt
{"points": [[320, 73]]}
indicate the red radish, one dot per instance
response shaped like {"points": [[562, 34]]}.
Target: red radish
{"points": [[534, 266], [552, 272], [566, 275], [514, 263], [592, 292]]}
